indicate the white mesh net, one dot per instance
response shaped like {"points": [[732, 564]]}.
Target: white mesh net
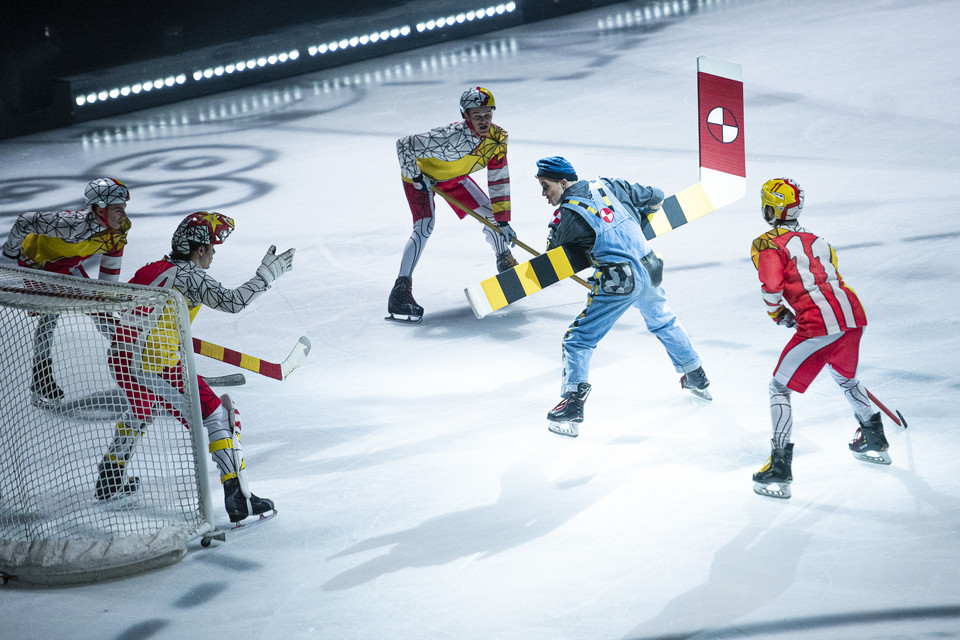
{"points": [[65, 422]]}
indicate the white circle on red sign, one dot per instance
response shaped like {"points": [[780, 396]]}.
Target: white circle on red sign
{"points": [[722, 125]]}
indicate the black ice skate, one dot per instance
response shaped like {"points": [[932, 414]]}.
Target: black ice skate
{"points": [[565, 417], [238, 506], [870, 445], [506, 261], [114, 482], [696, 381], [44, 389], [775, 476], [401, 306]]}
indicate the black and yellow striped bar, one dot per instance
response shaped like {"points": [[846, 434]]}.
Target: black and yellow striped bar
{"points": [[524, 279], [677, 210]]}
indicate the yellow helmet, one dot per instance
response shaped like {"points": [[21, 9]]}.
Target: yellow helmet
{"points": [[781, 200]]}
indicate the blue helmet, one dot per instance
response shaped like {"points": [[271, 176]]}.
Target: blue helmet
{"points": [[556, 168]]}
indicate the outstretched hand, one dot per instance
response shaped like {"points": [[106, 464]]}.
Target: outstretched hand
{"points": [[273, 266]]}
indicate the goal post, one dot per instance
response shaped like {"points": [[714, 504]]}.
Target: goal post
{"points": [[55, 526]]}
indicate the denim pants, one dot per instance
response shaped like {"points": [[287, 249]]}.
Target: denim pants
{"points": [[600, 314]]}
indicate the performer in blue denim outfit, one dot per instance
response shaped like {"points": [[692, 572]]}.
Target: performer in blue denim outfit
{"points": [[601, 218]]}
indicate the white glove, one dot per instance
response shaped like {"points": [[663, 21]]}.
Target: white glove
{"points": [[273, 266], [508, 233]]}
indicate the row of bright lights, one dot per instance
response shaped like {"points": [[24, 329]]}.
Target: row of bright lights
{"points": [[469, 16], [237, 106], [346, 43], [131, 90], [253, 63], [289, 56], [400, 32]]}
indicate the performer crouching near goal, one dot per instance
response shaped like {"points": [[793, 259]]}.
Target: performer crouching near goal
{"points": [[800, 268], [147, 369], [60, 242]]}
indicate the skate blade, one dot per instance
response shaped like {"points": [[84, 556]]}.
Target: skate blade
{"points": [[772, 490], [404, 319], [249, 521], [41, 402], [129, 489], [564, 428], [873, 457], [700, 393]]}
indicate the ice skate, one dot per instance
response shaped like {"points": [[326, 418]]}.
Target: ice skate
{"points": [[870, 445], [775, 476], [239, 507], [565, 418], [44, 389], [506, 261], [113, 481], [401, 306], [697, 383]]}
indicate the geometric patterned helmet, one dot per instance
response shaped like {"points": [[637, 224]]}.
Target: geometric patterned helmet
{"points": [[781, 200], [202, 227], [104, 191], [476, 97]]}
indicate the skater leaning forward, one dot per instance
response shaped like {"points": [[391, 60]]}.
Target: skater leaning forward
{"points": [[799, 268], [61, 242], [601, 218], [146, 367], [442, 159]]}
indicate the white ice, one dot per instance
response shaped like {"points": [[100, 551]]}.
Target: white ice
{"points": [[420, 494]]}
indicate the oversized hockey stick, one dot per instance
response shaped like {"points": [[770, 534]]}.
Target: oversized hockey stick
{"points": [[277, 371], [898, 418], [459, 205], [723, 180]]}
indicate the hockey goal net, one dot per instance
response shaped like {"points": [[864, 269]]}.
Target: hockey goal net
{"points": [[63, 414]]}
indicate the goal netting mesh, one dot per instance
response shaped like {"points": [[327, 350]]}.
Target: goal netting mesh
{"points": [[61, 333]]}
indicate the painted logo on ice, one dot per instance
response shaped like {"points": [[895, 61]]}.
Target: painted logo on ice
{"points": [[723, 125]]}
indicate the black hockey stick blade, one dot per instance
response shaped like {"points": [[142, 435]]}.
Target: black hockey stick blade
{"points": [[229, 380]]}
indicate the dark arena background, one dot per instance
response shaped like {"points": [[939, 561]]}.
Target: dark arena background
{"points": [[53, 55]]}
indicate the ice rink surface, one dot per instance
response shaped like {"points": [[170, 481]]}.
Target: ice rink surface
{"points": [[420, 494]]}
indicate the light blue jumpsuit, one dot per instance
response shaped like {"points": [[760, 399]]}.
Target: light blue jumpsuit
{"points": [[614, 242]]}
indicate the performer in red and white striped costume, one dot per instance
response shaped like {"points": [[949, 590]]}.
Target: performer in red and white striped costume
{"points": [[799, 268]]}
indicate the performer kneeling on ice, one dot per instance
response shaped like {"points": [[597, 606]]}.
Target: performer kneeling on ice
{"points": [[144, 361], [800, 268], [601, 218]]}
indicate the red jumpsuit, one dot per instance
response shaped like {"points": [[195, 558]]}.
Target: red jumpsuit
{"points": [[800, 268]]}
